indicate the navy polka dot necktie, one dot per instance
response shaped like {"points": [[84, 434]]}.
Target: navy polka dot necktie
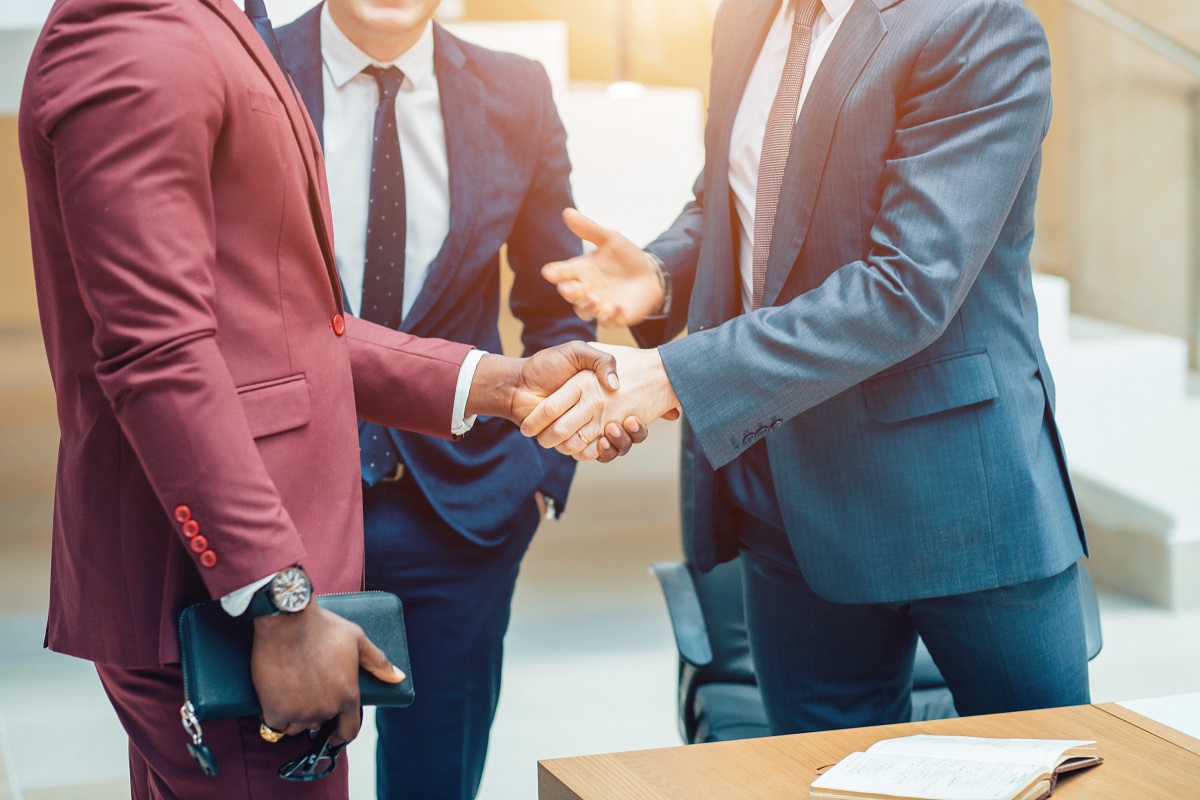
{"points": [[256, 10], [383, 274]]}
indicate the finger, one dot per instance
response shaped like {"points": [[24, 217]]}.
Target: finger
{"points": [[607, 452], [637, 430], [292, 729], [579, 268], [585, 228], [552, 408], [592, 358], [671, 415], [612, 316], [572, 431], [349, 722], [587, 453], [606, 312], [275, 723], [373, 660], [617, 438], [603, 364], [574, 292]]}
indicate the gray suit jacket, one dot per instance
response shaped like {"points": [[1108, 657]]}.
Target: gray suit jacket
{"points": [[895, 370]]}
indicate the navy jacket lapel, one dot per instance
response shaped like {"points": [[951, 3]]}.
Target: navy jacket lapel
{"points": [[465, 118], [301, 45], [848, 54], [717, 295]]}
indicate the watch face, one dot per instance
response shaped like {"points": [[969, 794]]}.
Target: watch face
{"points": [[291, 590]]}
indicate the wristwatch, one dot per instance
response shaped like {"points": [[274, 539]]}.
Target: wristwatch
{"points": [[289, 592], [664, 284]]}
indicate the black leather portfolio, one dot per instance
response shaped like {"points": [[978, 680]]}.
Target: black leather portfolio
{"points": [[215, 650]]}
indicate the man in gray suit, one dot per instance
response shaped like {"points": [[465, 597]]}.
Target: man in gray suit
{"points": [[869, 410]]}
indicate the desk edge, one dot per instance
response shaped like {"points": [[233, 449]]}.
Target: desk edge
{"points": [[1162, 731]]}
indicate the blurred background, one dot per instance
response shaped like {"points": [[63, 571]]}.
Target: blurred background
{"points": [[591, 663]]}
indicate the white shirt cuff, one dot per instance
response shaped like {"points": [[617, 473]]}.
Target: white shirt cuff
{"points": [[459, 425], [236, 602]]}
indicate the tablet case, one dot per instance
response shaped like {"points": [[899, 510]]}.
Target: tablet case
{"points": [[215, 649]]}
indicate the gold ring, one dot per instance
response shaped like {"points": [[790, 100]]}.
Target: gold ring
{"points": [[268, 733]]}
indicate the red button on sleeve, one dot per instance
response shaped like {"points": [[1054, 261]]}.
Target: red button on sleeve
{"points": [[191, 528], [199, 544], [182, 513], [339, 324], [208, 559]]}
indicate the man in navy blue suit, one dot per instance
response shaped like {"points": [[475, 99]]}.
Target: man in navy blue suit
{"points": [[439, 153]]}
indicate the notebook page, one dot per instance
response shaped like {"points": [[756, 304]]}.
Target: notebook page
{"points": [[926, 778], [1043, 752]]}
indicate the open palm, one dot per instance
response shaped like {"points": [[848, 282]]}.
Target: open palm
{"points": [[616, 284]]}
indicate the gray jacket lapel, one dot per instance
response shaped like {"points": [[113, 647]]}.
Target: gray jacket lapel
{"points": [[300, 42], [717, 295], [851, 49]]}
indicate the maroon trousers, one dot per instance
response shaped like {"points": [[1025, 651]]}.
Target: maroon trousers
{"points": [[147, 702]]}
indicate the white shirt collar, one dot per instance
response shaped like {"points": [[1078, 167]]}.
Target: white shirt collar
{"points": [[345, 60], [836, 8]]}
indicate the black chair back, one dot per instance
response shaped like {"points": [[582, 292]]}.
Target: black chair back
{"points": [[719, 697]]}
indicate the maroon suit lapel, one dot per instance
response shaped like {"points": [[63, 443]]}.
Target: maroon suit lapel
{"points": [[302, 128]]}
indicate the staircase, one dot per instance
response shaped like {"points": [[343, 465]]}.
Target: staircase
{"points": [[1130, 417]]}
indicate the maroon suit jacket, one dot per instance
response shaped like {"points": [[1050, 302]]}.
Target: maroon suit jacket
{"points": [[207, 382]]}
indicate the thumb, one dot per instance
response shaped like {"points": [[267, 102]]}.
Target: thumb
{"points": [[372, 659], [585, 228], [603, 364]]}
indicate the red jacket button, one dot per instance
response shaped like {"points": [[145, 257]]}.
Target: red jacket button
{"points": [[208, 559], [199, 544], [182, 513], [339, 324], [191, 528]]}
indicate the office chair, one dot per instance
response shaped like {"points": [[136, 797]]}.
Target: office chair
{"points": [[719, 699]]}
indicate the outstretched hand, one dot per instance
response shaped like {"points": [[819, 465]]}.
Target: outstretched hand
{"points": [[616, 284]]}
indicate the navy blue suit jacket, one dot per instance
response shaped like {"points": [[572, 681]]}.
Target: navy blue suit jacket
{"points": [[509, 182], [895, 371]]}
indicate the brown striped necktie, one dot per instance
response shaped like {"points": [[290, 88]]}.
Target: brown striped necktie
{"points": [[778, 140]]}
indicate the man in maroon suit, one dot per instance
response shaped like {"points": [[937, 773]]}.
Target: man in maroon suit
{"points": [[208, 381]]}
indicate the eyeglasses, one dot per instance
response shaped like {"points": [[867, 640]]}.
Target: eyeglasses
{"points": [[321, 759]]}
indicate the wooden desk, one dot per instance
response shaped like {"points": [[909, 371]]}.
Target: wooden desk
{"points": [[1142, 759]]}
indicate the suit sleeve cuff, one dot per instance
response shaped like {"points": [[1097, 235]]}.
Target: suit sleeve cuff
{"points": [[459, 423], [236, 602]]}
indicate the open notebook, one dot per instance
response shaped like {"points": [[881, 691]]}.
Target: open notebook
{"points": [[954, 768]]}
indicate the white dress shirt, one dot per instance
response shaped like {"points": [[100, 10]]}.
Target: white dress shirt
{"points": [[351, 99], [750, 124]]}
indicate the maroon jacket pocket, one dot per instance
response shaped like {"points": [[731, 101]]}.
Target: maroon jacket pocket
{"points": [[276, 406]]}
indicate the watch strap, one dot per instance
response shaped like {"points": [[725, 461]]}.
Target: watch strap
{"points": [[262, 604], [664, 282]]}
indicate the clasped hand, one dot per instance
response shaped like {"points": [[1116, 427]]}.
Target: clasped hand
{"points": [[580, 418], [571, 398]]}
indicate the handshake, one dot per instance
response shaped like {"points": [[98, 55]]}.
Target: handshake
{"points": [[590, 402], [570, 396]]}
